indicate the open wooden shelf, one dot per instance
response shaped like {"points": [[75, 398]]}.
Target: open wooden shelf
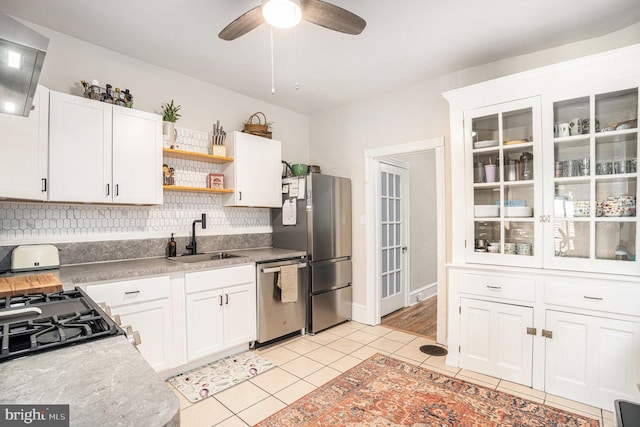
{"points": [[196, 189], [179, 154]]}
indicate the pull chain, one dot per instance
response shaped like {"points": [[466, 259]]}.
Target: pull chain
{"points": [[295, 35], [273, 79]]}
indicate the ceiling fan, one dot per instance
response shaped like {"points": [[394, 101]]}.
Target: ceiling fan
{"points": [[288, 13]]}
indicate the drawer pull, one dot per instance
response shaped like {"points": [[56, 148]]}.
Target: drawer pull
{"points": [[593, 298], [131, 292], [494, 288]]}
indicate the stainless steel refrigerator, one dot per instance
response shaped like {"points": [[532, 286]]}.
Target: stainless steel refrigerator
{"points": [[316, 218]]}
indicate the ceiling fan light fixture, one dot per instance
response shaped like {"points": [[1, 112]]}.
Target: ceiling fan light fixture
{"points": [[282, 13]]}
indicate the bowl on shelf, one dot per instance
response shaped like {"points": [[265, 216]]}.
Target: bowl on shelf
{"points": [[518, 211], [486, 211], [581, 208]]}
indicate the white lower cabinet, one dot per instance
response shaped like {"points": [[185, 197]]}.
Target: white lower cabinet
{"points": [[220, 310], [592, 359], [185, 317], [577, 338], [494, 339], [144, 304]]}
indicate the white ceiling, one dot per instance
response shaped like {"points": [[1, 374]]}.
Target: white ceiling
{"points": [[405, 41]]}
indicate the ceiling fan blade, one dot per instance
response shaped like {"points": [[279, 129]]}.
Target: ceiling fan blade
{"points": [[243, 24], [332, 17]]}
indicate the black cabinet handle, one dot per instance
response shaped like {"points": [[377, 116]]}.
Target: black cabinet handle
{"points": [[107, 189]]}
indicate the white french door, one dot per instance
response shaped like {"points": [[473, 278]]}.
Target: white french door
{"points": [[394, 186]]}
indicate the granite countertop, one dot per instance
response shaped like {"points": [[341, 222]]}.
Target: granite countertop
{"points": [[105, 382], [73, 275]]}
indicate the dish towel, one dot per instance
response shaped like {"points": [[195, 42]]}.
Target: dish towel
{"points": [[288, 283]]}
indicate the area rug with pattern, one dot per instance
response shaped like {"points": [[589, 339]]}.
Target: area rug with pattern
{"points": [[214, 377], [382, 391]]}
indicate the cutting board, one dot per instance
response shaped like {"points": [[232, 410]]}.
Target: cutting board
{"points": [[30, 284]]}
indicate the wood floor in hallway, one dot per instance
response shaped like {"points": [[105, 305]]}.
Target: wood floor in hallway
{"points": [[419, 318]]}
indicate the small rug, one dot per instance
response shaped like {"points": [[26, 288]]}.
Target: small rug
{"points": [[383, 391], [214, 377]]}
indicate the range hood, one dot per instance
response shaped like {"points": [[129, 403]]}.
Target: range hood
{"points": [[22, 53]]}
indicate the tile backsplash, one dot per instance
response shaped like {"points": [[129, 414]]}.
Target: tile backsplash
{"points": [[34, 222]]}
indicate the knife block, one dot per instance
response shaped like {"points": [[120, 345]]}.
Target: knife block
{"points": [[219, 150]]}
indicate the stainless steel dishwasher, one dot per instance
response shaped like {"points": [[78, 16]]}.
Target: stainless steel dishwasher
{"points": [[275, 318]]}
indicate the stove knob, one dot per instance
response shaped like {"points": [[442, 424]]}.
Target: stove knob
{"points": [[116, 319], [105, 308]]}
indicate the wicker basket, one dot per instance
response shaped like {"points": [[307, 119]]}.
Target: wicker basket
{"points": [[259, 128]]}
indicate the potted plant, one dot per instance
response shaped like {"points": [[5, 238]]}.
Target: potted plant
{"points": [[170, 116]]}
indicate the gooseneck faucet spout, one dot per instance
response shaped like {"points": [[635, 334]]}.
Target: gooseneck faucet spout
{"points": [[193, 247]]}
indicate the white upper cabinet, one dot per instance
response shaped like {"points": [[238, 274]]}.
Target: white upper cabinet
{"points": [[504, 143], [24, 144], [137, 156], [591, 170], [550, 177], [256, 172], [100, 153]]}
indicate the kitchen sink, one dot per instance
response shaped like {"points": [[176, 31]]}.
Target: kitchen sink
{"points": [[203, 257]]}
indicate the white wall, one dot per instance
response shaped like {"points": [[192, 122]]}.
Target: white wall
{"points": [[70, 60], [338, 137]]}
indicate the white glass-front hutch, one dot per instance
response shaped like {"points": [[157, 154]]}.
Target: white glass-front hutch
{"points": [[544, 281]]}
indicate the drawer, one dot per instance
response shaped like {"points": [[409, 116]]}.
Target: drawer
{"points": [[614, 297], [498, 286], [199, 281], [130, 291]]}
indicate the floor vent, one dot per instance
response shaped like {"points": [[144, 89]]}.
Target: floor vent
{"points": [[433, 350]]}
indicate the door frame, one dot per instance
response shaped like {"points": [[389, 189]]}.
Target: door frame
{"points": [[372, 194], [406, 226]]}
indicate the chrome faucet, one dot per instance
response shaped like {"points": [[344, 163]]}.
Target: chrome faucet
{"points": [[193, 247]]}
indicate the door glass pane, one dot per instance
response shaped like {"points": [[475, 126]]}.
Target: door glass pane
{"points": [[571, 238], [397, 193], [385, 261], [398, 282], [383, 183], [385, 286], [517, 126], [518, 238], [391, 186], [384, 203], [617, 110], [384, 235], [484, 131], [398, 251], [616, 240], [392, 285]]}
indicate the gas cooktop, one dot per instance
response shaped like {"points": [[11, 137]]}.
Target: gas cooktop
{"points": [[38, 322]]}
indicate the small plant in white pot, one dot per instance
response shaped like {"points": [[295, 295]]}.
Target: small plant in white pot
{"points": [[170, 116]]}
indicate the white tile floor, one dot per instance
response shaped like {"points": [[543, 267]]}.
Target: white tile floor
{"points": [[305, 363]]}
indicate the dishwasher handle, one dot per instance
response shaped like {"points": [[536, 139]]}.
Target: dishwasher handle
{"points": [[277, 269]]}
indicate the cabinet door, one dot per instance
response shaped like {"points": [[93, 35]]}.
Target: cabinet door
{"points": [[494, 340], [205, 329], [239, 315], [592, 181], [592, 359], [79, 149], [137, 156], [504, 191], [153, 321], [257, 171], [24, 142]]}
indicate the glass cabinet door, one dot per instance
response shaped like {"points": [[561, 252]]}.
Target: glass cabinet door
{"points": [[595, 182], [504, 146]]}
